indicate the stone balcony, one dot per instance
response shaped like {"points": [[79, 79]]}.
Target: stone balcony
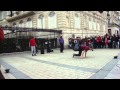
{"points": [[20, 16], [113, 24]]}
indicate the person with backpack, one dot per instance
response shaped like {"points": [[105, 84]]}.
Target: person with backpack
{"points": [[77, 48]]}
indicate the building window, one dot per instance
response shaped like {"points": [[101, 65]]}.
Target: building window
{"points": [[94, 23], [51, 14], [67, 21], [14, 13], [29, 23], [52, 20], [3, 14], [76, 21], [8, 13], [41, 21], [14, 24], [21, 24], [104, 28], [98, 26], [0, 15], [90, 24]]}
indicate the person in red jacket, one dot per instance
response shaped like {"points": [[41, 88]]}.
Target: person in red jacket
{"points": [[106, 42], [1, 39], [97, 41], [100, 42], [84, 50], [32, 44], [1, 34]]}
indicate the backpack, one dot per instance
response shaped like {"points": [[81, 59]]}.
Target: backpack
{"points": [[76, 47]]}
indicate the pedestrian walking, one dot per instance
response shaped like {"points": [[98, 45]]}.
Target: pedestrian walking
{"points": [[32, 44]]}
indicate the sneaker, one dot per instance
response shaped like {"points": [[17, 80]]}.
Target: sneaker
{"points": [[35, 55], [32, 55]]}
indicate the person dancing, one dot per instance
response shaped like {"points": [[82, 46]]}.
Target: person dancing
{"points": [[84, 51]]}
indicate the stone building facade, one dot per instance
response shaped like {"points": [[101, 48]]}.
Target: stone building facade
{"points": [[72, 23], [113, 22]]}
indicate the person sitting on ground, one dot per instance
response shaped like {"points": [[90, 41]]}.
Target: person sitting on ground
{"points": [[84, 50]]}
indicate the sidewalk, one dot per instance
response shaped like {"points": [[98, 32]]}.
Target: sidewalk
{"points": [[115, 72], [56, 65]]}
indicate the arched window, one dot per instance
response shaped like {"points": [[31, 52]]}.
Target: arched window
{"points": [[90, 24], [98, 26], [76, 21], [14, 24], [41, 21], [67, 21], [29, 23], [21, 24], [52, 20], [104, 29], [94, 23]]}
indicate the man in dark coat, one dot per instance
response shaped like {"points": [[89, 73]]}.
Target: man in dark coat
{"points": [[61, 42]]}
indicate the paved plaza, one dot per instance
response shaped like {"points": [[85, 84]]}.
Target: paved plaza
{"points": [[99, 64]]}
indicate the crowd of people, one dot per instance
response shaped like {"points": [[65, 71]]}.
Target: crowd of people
{"points": [[105, 41], [93, 42]]}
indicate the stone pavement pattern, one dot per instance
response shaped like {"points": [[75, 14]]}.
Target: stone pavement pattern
{"points": [[58, 65]]}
